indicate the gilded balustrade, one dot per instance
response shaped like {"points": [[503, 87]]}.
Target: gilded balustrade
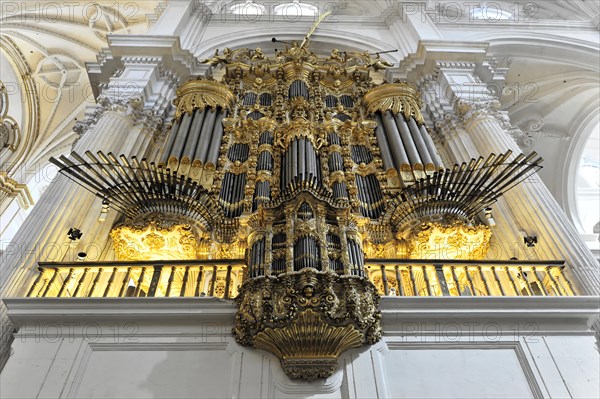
{"points": [[410, 277], [223, 278], [194, 278]]}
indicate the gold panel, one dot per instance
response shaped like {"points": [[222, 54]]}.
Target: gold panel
{"points": [[155, 237], [455, 240]]}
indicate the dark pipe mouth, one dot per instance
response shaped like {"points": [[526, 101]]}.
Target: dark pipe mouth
{"points": [[274, 40], [81, 255]]}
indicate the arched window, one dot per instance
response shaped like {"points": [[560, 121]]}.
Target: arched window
{"points": [[587, 183]]}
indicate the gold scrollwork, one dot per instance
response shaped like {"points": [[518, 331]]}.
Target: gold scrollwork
{"points": [[199, 94], [395, 97]]}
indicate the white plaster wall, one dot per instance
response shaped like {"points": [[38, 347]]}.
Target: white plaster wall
{"points": [[183, 348]]}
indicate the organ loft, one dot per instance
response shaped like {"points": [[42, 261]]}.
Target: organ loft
{"points": [[300, 165]]}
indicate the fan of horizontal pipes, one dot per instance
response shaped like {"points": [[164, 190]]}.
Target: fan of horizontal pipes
{"points": [[135, 187], [463, 191]]}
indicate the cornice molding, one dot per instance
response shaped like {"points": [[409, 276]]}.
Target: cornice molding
{"points": [[394, 309]]}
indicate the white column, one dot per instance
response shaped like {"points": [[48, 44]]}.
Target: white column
{"points": [[469, 125], [530, 205]]}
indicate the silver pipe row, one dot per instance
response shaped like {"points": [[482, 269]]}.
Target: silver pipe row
{"points": [[265, 161], [265, 138], [340, 190], [238, 152], [298, 88], [299, 161], [249, 98], [357, 259], [369, 193], [266, 99], [170, 141], [181, 136], [360, 154], [407, 141], [278, 266], [193, 135], [255, 115], [334, 138], [205, 136], [437, 161], [343, 117], [336, 265], [393, 139], [419, 141], [216, 139], [257, 258], [335, 162], [384, 147], [232, 193], [262, 194], [306, 253], [347, 101]]}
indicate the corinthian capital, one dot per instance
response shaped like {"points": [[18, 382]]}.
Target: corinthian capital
{"points": [[475, 112], [447, 126]]}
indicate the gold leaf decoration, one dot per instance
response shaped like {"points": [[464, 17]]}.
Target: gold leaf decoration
{"points": [[199, 94], [308, 347], [395, 97]]}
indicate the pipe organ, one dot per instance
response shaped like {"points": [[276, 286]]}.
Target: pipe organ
{"points": [[304, 161]]}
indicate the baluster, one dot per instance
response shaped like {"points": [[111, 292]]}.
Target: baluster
{"points": [[170, 283], [80, 282], [455, 278], [184, 281], [413, 280], [110, 281], [95, 282], [553, 282], [213, 281], [65, 282], [426, 279], [399, 280], [469, 280], [125, 282], [567, 286], [36, 282], [497, 281], [227, 282], [527, 286], [451, 284], [386, 288], [512, 281], [486, 290], [439, 271], [42, 288], [155, 280], [50, 282], [199, 280], [140, 281], [537, 281]]}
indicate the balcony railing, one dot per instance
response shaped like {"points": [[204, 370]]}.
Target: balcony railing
{"points": [[223, 278], [408, 277], [213, 278]]}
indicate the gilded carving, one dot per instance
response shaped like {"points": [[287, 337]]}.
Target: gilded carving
{"points": [[307, 318], [395, 97], [156, 236], [198, 94]]}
